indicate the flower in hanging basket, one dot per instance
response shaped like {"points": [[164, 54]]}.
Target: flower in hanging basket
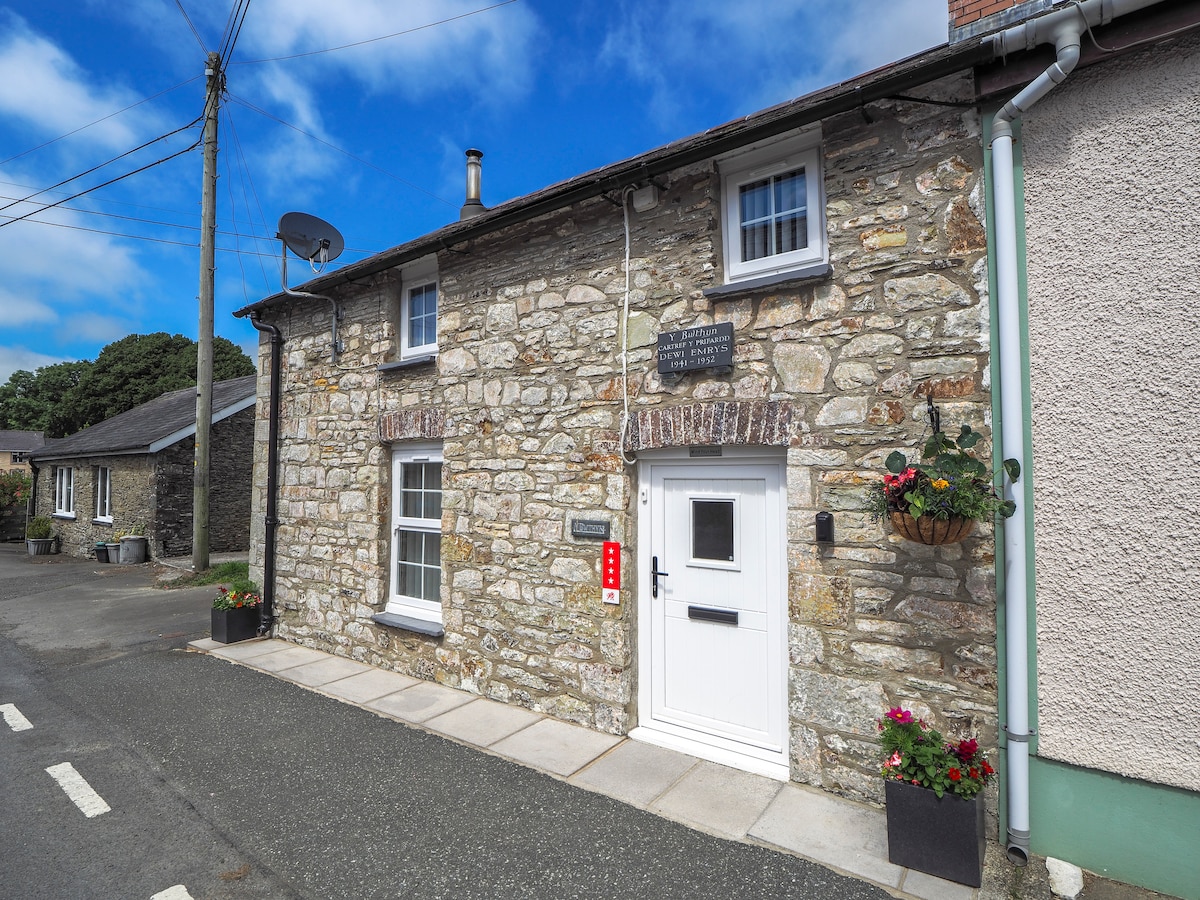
{"points": [[236, 599], [938, 500], [915, 753]]}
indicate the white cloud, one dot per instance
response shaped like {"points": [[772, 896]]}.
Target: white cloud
{"points": [[768, 52], [18, 357], [490, 51], [18, 311], [43, 87]]}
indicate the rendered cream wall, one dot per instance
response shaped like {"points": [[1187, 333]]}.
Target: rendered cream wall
{"points": [[1112, 171]]}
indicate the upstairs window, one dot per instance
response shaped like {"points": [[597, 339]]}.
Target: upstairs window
{"points": [[773, 209], [103, 485], [64, 491], [417, 322], [420, 333]]}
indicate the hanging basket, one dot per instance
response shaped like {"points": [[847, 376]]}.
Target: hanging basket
{"points": [[928, 530]]}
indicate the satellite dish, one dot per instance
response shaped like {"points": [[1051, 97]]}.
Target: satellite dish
{"points": [[310, 238]]}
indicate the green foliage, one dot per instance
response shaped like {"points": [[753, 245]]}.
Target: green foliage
{"points": [[951, 482], [234, 574], [66, 397], [918, 754], [14, 488], [39, 528]]}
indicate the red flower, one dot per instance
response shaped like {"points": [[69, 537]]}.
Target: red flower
{"points": [[973, 772], [967, 749], [955, 775], [988, 768]]}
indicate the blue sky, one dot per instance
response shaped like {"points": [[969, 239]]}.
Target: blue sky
{"points": [[370, 138]]}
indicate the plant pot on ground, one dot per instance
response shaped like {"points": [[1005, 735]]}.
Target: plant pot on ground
{"points": [[235, 614], [39, 536], [935, 814]]}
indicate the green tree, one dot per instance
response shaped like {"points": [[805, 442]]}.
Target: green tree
{"points": [[65, 397], [42, 401]]}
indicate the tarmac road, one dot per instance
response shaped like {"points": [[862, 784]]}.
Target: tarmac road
{"points": [[224, 782]]}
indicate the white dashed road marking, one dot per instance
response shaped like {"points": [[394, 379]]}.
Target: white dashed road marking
{"points": [[178, 892], [89, 802], [13, 717]]}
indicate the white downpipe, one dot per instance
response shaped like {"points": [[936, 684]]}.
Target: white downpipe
{"points": [[1063, 28]]}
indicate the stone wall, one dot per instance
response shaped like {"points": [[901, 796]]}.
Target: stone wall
{"points": [[230, 463], [527, 394], [132, 498], [156, 493]]}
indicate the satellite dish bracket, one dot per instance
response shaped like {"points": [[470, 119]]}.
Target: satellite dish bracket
{"points": [[312, 238]]}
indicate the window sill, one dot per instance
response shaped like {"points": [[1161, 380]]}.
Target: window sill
{"points": [[69, 517], [102, 521], [764, 282], [410, 363], [408, 623]]}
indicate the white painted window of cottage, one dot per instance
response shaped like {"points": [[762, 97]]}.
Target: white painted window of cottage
{"points": [[416, 569], [64, 491], [103, 479], [773, 209], [417, 324]]}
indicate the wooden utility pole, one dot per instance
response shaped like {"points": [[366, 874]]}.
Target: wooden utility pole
{"points": [[204, 344]]}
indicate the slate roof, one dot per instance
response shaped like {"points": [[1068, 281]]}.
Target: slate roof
{"points": [[173, 415], [881, 83], [21, 441]]}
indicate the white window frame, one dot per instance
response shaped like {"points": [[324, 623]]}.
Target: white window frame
{"points": [[418, 277], [102, 479], [64, 491], [402, 604], [764, 161]]}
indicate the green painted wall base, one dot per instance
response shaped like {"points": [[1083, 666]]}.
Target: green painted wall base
{"points": [[1127, 830]]}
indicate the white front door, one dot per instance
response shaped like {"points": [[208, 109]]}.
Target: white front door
{"points": [[712, 607]]}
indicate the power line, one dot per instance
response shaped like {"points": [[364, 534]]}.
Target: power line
{"points": [[263, 112], [103, 164], [232, 32], [4, 162], [97, 187], [186, 18], [376, 39]]}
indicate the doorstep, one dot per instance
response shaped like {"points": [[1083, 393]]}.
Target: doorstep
{"points": [[840, 834]]}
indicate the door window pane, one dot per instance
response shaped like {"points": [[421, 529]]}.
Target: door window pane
{"points": [[712, 530]]}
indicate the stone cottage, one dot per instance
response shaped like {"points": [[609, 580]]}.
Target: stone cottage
{"points": [[504, 401], [570, 452], [137, 469]]}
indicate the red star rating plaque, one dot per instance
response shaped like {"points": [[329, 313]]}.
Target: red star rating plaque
{"points": [[610, 573]]}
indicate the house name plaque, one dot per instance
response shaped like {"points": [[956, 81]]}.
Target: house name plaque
{"points": [[590, 528], [706, 347]]}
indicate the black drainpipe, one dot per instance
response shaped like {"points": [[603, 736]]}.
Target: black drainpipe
{"points": [[267, 617], [31, 503]]}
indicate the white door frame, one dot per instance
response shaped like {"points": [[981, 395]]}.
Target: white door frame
{"points": [[770, 762]]}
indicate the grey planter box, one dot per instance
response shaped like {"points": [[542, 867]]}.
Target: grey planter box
{"points": [[942, 837]]}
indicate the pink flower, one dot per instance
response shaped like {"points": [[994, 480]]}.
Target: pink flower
{"points": [[900, 716], [895, 760]]}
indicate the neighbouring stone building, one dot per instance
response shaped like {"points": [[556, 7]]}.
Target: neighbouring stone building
{"points": [[569, 452], [136, 469]]}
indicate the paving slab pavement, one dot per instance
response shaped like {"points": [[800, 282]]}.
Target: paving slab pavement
{"points": [[840, 834]]}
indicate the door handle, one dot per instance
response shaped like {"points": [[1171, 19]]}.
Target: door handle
{"points": [[654, 576]]}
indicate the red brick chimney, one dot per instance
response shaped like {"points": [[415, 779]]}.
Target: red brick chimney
{"points": [[971, 17]]}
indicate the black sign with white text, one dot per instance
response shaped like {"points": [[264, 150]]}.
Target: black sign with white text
{"points": [[706, 347]]}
